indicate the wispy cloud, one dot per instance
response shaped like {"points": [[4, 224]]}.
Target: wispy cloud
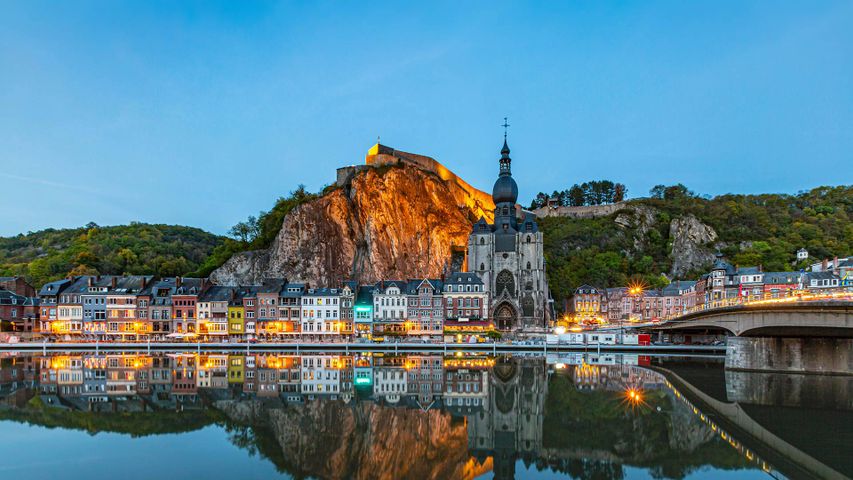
{"points": [[51, 183]]}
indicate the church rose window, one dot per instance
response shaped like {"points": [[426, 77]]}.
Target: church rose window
{"points": [[505, 281]]}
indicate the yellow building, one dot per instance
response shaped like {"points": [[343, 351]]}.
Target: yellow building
{"points": [[236, 322], [236, 367]]}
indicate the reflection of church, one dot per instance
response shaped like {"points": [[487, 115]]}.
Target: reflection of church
{"points": [[508, 257], [509, 427]]}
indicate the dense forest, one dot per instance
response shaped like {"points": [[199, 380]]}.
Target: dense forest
{"points": [[137, 248], [765, 229]]}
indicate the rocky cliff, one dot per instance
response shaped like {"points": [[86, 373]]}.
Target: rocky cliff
{"points": [[396, 221], [691, 241], [691, 245], [330, 439]]}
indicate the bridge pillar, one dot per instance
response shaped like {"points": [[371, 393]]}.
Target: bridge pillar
{"points": [[782, 354]]}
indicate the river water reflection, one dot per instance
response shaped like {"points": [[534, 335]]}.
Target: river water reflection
{"points": [[416, 416]]}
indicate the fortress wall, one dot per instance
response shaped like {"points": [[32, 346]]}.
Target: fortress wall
{"points": [[477, 201], [589, 211]]}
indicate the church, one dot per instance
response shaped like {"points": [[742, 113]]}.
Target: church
{"points": [[508, 257]]}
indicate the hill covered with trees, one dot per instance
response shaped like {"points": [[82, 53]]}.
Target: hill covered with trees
{"points": [[138, 248], [764, 229], [635, 242]]}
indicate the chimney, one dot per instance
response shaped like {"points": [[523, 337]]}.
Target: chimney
{"points": [[143, 283], [91, 281], [178, 281], [824, 265], [113, 282], [760, 268], [204, 283], [835, 263]]}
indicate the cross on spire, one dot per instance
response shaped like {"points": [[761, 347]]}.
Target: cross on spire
{"points": [[505, 125]]}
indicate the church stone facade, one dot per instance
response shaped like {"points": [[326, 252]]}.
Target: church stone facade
{"points": [[508, 257]]}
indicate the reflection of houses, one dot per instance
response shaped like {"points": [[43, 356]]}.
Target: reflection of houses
{"points": [[212, 371], [510, 425], [425, 377], [466, 387], [613, 374], [184, 386], [321, 374], [390, 382]]}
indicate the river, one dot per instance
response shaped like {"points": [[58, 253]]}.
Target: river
{"points": [[425, 416]]}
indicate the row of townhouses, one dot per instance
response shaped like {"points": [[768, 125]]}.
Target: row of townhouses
{"points": [[724, 284], [144, 307]]}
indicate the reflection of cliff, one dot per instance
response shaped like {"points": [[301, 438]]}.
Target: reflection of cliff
{"points": [[329, 439]]}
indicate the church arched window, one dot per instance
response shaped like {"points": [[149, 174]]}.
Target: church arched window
{"points": [[482, 266], [527, 306], [506, 211], [528, 265], [505, 281], [528, 241], [482, 240]]}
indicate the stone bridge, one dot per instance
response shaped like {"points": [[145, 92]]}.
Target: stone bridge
{"points": [[795, 319]]}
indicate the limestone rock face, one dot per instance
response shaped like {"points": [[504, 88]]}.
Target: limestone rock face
{"points": [[639, 218], [690, 244], [690, 238], [391, 222]]}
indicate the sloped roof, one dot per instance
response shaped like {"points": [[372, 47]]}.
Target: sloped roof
{"points": [[216, 293], [781, 277], [55, 287], [463, 278], [413, 285]]}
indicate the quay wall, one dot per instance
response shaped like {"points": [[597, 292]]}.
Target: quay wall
{"points": [[820, 355], [357, 347]]}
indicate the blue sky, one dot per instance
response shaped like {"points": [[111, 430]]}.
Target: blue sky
{"points": [[202, 113]]}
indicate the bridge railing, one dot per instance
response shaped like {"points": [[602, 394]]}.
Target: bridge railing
{"points": [[768, 298]]}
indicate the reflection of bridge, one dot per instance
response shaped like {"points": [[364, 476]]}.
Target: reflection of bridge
{"points": [[743, 419], [795, 319]]}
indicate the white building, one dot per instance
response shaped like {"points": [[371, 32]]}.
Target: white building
{"points": [[321, 374], [390, 301], [321, 311], [389, 382]]}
